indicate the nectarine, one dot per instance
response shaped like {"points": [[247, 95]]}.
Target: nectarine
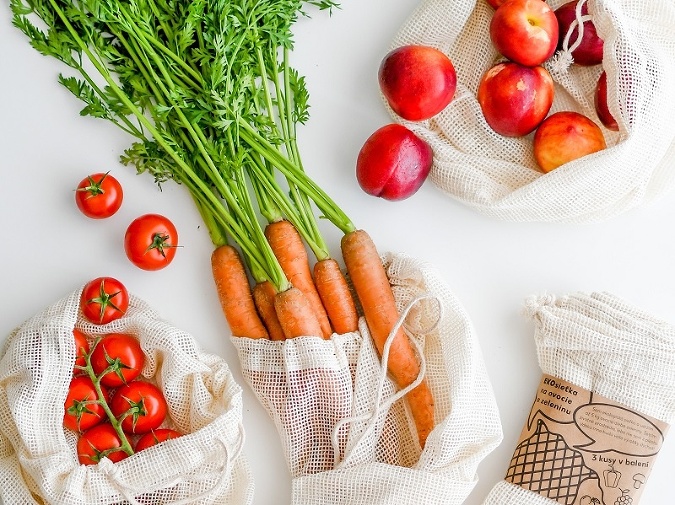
{"points": [[393, 163], [565, 136], [589, 50], [601, 107], [417, 81], [525, 31], [515, 98]]}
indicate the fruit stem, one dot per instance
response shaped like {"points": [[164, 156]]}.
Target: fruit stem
{"points": [[96, 379]]}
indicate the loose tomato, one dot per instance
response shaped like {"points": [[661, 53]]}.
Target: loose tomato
{"points": [[140, 406], [151, 241], [121, 355], [104, 299], [82, 410], [155, 437], [99, 196], [100, 442], [81, 350]]}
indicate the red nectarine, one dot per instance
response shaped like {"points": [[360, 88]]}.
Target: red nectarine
{"points": [[589, 50], [514, 98], [565, 136], [393, 163], [601, 107], [525, 31], [417, 81]]}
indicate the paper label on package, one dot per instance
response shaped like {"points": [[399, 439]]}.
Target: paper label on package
{"points": [[579, 448]]}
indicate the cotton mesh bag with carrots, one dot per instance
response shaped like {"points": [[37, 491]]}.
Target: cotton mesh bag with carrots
{"points": [[42, 456], [387, 412], [609, 369], [499, 173]]}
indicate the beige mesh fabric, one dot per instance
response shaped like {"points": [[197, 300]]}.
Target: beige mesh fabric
{"points": [[498, 175], [605, 345], [347, 437], [38, 462]]}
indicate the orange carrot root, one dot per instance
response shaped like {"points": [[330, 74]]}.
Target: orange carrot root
{"points": [[296, 315], [374, 292], [336, 296], [263, 296], [288, 247], [234, 293]]}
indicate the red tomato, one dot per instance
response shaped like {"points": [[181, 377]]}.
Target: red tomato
{"points": [[99, 196], [154, 437], [122, 355], [99, 442], [151, 241], [81, 350], [104, 299], [82, 410], [140, 406]]}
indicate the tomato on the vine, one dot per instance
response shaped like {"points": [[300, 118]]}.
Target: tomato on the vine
{"points": [[155, 437], [81, 350], [140, 406], [99, 195], [99, 442], [82, 408], [151, 241], [104, 299], [121, 355]]}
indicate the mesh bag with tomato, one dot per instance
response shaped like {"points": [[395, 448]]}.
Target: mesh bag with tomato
{"points": [[347, 432], [562, 109], [104, 402]]}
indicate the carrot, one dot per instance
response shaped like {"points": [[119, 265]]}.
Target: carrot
{"points": [[336, 296], [379, 309], [263, 296], [234, 292], [289, 249], [296, 314]]}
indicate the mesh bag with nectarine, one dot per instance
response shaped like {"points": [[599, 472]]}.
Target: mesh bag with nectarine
{"points": [[617, 72]]}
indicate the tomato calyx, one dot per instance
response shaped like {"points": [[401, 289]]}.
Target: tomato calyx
{"points": [[98, 454], [115, 365], [105, 300], [136, 410], [94, 188], [81, 407], [160, 242]]}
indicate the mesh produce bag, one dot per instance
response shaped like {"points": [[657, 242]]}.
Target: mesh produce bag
{"points": [[345, 430], [498, 175], [38, 460], [602, 410]]}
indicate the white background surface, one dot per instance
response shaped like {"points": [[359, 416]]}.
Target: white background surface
{"points": [[49, 249]]}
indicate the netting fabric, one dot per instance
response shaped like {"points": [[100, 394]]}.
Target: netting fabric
{"points": [[347, 435], [38, 460], [605, 345], [498, 175]]}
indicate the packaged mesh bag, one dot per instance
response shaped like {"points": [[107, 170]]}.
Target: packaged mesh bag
{"points": [[345, 428], [602, 409], [38, 458], [498, 175]]}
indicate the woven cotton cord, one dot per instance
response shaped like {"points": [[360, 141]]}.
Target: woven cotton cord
{"points": [[381, 404], [221, 474], [562, 60]]}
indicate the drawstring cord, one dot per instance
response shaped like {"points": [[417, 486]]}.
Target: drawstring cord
{"points": [[379, 404], [561, 61], [222, 474]]}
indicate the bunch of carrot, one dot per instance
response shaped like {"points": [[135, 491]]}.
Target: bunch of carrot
{"points": [[208, 93]]}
